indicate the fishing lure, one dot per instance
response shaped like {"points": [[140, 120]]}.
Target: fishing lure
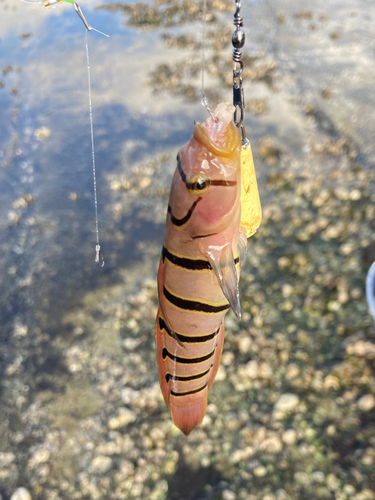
{"points": [[204, 246], [199, 266]]}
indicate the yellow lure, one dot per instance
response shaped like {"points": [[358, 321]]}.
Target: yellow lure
{"points": [[251, 210]]}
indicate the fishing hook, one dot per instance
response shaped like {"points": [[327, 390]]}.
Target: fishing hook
{"points": [[53, 3], [77, 8]]}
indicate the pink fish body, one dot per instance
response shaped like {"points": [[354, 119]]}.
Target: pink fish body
{"points": [[199, 267]]}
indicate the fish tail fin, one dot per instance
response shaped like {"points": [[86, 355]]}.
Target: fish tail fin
{"points": [[189, 410]]}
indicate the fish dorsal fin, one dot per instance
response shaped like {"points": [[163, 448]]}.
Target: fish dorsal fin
{"points": [[222, 262]]}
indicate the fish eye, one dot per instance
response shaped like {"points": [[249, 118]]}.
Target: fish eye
{"points": [[198, 184]]}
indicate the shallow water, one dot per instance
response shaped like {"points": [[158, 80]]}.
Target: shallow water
{"points": [[81, 414]]}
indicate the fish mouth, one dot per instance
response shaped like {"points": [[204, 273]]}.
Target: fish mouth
{"points": [[218, 133]]}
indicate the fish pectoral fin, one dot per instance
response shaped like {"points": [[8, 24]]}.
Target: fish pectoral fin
{"points": [[222, 262]]}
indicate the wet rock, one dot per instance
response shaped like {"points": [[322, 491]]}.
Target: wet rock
{"points": [[349, 490], [144, 182], [272, 444], [333, 483], [244, 344], [14, 218], [14, 367], [292, 371], [23, 202], [20, 330], [6, 459], [331, 430], [73, 196], [362, 349], [257, 106], [122, 420], [318, 477], [326, 93], [40, 456], [331, 382], [228, 495], [251, 369], [366, 494], [303, 14], [366, 402], [281, 495], [265, 371], [269, 152], [242, 454], [21, 494], [260, 471], [302, 478], [100, 465], [286, 402], [42, 133], [269, 496], [289, 437]]}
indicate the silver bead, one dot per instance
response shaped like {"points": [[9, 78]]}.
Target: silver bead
{"points": [[238, 38]]}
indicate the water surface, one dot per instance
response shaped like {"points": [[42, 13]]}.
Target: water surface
{"points": [[76, 342]]}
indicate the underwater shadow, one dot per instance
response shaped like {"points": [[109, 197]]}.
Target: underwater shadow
{"points": [[194, 484]]}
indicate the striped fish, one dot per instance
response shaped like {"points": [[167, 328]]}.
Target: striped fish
{"points": [[199, 266]]}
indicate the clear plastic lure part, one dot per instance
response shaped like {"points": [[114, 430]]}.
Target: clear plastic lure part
{"points": [[46, 3], [36, 2], [51, 3], [222, 262]]}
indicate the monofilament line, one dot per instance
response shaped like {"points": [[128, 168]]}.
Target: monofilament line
{"points": [[204, 100], [98, 257]]}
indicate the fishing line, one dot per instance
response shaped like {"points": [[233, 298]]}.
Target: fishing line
{"points": [[98, 256], [53, 3], [204, 99]]}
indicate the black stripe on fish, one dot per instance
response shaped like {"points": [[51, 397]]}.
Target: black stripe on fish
{"points": [[185, 338], [223, 183], [187, 361], [194, 391], [192, 264], [186, 263], [193, 305], [181, 378], [190, 185], [182, 173], [181, 222], [203, 236]]}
